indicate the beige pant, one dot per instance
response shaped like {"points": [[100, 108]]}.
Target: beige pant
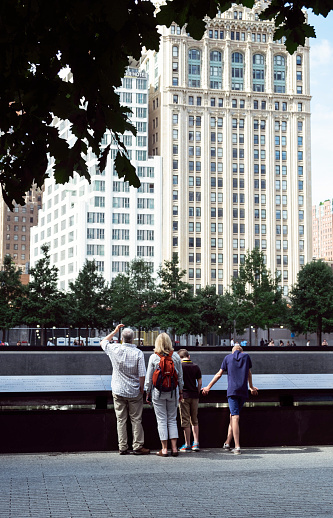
{"points": [[188, 409], [131, 407]]}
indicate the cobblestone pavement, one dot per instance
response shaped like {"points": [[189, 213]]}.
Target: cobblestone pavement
{"points": [[260, 483]]}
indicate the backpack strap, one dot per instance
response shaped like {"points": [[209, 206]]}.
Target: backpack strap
{"points": [[170, 356], [159, 392]]}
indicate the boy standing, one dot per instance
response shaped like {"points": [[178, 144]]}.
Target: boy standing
{"points": [[238, 366], [188, 408]]}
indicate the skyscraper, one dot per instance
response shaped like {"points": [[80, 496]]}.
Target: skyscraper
{"points": [[230, 116], [106, 220], [322, 230], [15, 228]]}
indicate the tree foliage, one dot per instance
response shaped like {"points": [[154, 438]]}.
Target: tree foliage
{"points": [[134, 296], [225, 312], [119, 298], [208, 317], [89, 298], [175, 309], [93, 39], [44, 304], [257, 299], [312, 300], [11, 292]]}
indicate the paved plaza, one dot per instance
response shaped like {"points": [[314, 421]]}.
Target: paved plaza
{"points": [[260, 483]]}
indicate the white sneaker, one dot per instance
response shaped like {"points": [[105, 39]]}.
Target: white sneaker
{"points": [[236, 451], [226, 447]]}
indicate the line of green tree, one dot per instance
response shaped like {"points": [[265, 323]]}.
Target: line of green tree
{"points": [[138, 300]]}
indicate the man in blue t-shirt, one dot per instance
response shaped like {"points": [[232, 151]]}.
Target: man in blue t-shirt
{"points": [[237, 365]]}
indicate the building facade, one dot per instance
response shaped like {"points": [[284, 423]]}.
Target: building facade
{"points": [[15, 228], [322, 230], [107, 220], [230, 116]]}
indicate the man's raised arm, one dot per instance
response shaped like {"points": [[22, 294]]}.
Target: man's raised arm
{"points": [[111, 335]]}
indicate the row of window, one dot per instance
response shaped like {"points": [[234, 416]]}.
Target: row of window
{"points": [[120, 250], [95, 233], [240, 198], [197, 242], [263, 229], [23, 209], [15, 256], [237, 71], [56, 242], [129, 98], [144, 172], [16, 228], [17, 219], [142, 251], [214, 258], [241, 36], [95, 249], [198, 273], [141, 141], [145, 251], [127, 82], [122, 266], [234, 104], [120, 218]]}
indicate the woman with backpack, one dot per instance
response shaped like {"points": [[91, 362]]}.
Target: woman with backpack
{"points": [[164, 387]]}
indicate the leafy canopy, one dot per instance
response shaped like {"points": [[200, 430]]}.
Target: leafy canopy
{"points": [[88, 295], [134, 295], [312, 300], [176, 306], [257, 299], [43, 304], [93, 39], [11, 292]]}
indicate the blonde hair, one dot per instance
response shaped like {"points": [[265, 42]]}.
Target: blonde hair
{"points": [[163, 344]]}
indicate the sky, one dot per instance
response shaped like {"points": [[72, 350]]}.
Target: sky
{"points": [[321, 84]]}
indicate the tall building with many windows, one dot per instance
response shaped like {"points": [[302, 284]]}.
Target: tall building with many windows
{"points": [[15, 228], [230, 116], [106, 220], [322, 230]]}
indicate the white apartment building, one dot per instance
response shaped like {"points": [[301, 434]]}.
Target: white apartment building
{"points": [[230, 116], [107, 220]]}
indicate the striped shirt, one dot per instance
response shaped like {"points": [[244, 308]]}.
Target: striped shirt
{"points": [[128, 365]]}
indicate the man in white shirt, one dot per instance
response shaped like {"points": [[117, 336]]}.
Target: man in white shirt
{"points": [[128, 376]]}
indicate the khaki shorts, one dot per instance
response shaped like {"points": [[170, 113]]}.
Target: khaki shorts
{"points": [[188, 410]]}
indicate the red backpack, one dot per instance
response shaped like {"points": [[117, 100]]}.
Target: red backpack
{"points": [[165, 377]]}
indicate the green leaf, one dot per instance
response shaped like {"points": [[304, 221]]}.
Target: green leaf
{"points": [[126, 170], [103, 157]]}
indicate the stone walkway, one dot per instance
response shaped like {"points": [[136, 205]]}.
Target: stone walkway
{"points": [[260, 483]]}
